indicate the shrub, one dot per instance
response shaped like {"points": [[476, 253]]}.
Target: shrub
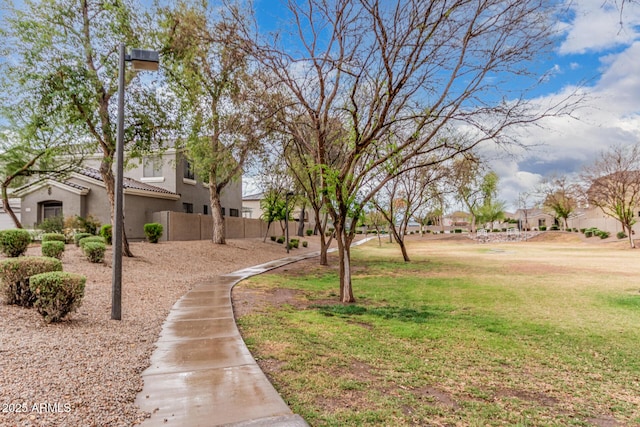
{"points": [[50, 237], [94, 250], [52, 248], [621, 234], [85, 240], [153, 231], [89, 224], [309, 232], [79, 236], [458, 230], [280, 239], [305, 243], [295, 243], [543, 228], [582, 230], [495, 230], [15, 274], [588, 233], [105, 233], [14, 243], [604, 234], [52, 225], [273, 238], [57, 293]]}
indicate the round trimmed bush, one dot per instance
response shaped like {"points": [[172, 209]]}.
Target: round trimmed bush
{"points": [[79, 236], [309, 232], [86, 240], [53, 248], [57, 293], [51, 237], [621, 234], [15, 274], [94, 251], [15, 242], [153, 231]]}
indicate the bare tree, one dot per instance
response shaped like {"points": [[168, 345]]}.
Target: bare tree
{"points": [[613, 185], [400, 199], [397, 76], [559, 196]]}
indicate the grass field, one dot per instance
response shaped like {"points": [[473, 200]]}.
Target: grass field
{"points": [[532, 334]]}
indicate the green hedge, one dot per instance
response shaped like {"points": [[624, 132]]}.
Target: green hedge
{"points": [[57, 293], [15, 274], [53, 248], [15, 242], [105, 233]]}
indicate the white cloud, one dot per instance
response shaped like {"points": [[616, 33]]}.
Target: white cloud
{"points": [[595, 25]]}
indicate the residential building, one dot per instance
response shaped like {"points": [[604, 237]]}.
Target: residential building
{"points": [[162, 182]]}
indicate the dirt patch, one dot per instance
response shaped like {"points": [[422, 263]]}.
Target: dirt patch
{"points": [[248, 301], [530, 396], [558, 236], [438, 396]]}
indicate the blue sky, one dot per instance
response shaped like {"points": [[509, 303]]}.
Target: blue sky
{"points": [[594, 50]]}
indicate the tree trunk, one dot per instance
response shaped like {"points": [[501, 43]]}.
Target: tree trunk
{"points": [[7, 207], [630, 234], [344, 255], [109, 185], [216, 214], [400, 240], [267, 233], [301, 220]]}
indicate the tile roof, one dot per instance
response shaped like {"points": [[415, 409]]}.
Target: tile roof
{"points": [[126, 182]]}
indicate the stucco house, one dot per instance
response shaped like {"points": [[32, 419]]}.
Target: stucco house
{"points": [[156, 183]]}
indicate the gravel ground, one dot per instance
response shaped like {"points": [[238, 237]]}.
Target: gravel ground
{"points": [[85, 371]]}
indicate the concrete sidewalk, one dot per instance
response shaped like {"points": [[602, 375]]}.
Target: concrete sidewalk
{"points": [[202, 373]]}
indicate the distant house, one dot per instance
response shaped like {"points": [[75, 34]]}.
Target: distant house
{"points": [[251, 209], [533, 219], [6, 222], [163, 182]]}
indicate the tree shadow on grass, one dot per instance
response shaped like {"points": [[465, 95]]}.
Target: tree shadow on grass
{"points": [[404, 314]]}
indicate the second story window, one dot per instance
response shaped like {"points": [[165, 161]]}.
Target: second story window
{"points": [[188, 170], [233, 212], [152, 167], [187, 207]]}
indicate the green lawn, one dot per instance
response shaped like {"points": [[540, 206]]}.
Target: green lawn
{"points": [[517, 334]]}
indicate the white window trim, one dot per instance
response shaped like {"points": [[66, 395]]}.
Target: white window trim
{"points": [[152, 179], [189, 181]]}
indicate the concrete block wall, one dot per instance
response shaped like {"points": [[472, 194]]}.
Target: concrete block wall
{"points": [[183, 226]]}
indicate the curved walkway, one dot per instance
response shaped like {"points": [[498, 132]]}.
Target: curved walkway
{"points": [[202, 373]]}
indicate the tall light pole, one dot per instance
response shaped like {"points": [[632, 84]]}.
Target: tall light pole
{"points": [[141, 60], [286, 217]]}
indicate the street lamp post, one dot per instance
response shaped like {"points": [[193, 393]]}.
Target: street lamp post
{"points": [[141, 60], [286, 217]]}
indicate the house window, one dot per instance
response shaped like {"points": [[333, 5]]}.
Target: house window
{"points": [[205, 209], [187, 207], [152, 167], [234, 212], [51, 210], [188, 170], [223, 213], [542, 222]]}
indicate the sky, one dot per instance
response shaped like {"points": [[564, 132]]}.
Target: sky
{"points": [[598, 53], [602, 55]]}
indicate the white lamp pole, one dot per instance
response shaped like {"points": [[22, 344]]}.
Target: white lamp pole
{"points": [[142, 60]]}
